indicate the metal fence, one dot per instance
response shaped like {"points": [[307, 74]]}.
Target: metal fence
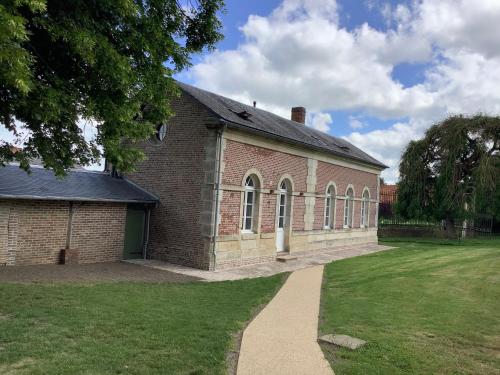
{"points": [[390, 225]]}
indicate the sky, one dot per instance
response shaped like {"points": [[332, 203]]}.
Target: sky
{"points": [[377, 73]]}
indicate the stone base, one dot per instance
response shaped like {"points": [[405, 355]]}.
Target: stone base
{"points": [[252, 248], [343, 341], [285, 258], [69, 256]]}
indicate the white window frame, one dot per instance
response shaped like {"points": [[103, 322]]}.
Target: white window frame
{"points": [[349, 208], [248, 190], [330, 207], [365, 209], [282, 193]]}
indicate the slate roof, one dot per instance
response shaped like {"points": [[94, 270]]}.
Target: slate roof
{"points": [[268, 124], [78, 185]]}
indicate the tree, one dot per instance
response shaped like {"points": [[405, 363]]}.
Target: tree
{"points": [[452, 171], [108, 61]]}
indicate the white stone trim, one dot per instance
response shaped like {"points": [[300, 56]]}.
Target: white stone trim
{"points": [[333, 200], [310, 196], [289, 206], [367, 224], [257, 202], [346, 198]]}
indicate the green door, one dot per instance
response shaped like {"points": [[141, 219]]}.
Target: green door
{"points": [[134, 233]]}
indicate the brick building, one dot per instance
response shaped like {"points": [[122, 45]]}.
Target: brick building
{"points": [[238, 185], [88, 215]]}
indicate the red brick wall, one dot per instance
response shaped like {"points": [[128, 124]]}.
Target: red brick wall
{"points": [[357, 214], [268, 219], [373, 215], [40, 231], [174, 172], [272, 165], [299, 209], [342, 177], [240, 157], [98, 231], [37, 231], [339, 220], [230, 215]]}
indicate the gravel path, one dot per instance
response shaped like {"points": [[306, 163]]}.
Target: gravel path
{"points": [[112, 271], [282, 339]]}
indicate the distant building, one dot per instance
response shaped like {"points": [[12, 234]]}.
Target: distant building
{"points": [[388, 197]]}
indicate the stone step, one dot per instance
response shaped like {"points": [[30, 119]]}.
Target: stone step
{"points": [[344, 341], [285, 258]]}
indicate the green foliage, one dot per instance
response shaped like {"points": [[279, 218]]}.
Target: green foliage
{"points": [[453, 171], [107, 61]]}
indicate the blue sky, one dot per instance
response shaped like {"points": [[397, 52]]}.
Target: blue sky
{"points": [[375, 72], [352, 15]]}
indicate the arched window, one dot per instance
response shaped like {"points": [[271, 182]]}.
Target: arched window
{"points": [[330, 207], [282, 204], [348, 208], [250, 204], [365, 209]]}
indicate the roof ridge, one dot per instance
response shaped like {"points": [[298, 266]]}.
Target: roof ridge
{"points": [[72, 170]]}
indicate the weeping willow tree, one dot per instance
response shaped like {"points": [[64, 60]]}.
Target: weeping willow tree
{"points": [[452, 172]]}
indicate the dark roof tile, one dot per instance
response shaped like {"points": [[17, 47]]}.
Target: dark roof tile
{"points": [[78, 185], [266, 123]]}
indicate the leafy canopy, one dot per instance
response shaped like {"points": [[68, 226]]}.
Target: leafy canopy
{"points": [[453, 171], [107, 61]]}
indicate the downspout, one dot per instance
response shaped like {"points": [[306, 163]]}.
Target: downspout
{"points": [[218, 162], [69, 230], [146, 240]]}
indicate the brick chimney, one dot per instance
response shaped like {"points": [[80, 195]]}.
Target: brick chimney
{"points": [[299, 115]]}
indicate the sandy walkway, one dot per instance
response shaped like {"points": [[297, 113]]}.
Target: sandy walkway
{"points": [[282, 338]]}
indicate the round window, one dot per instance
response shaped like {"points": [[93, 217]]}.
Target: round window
{"points": [[162, 131]]}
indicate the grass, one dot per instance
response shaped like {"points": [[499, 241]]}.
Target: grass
{"points": [[125, 328], [424, 308]]}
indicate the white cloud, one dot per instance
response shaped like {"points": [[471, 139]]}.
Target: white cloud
{"points": [[6, 135], [356, 123], [88, 127], [319, 121], [387, 145], [299, 55], [311, 61]]}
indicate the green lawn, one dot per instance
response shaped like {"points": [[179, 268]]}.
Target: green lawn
{"points": [[424, 308], [124, 328]]}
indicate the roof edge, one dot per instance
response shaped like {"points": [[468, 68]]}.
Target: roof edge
{"points": [[128, 181], [74, 199]]}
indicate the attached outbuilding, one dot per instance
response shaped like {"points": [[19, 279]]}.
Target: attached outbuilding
{"points": [[85, 217]]}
